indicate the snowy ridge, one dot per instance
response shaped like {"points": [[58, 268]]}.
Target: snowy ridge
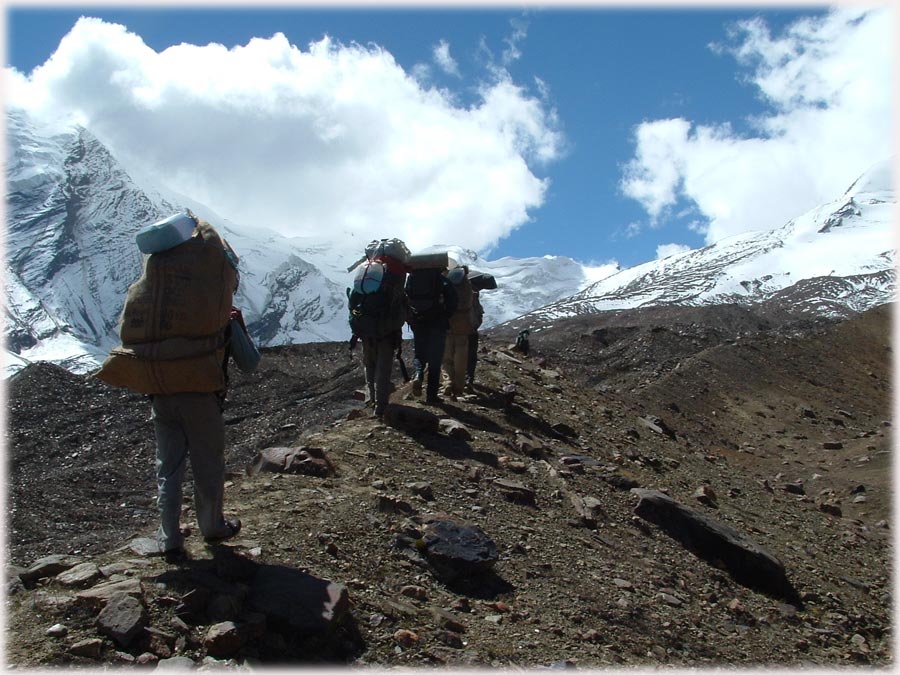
{"points": [[522, 283], [837, 258]]}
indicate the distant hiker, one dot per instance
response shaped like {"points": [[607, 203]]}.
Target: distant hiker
{"points": [[456, 349], [377, 313], [178, 330], [522, 342], [480, 282], [432, 300]]}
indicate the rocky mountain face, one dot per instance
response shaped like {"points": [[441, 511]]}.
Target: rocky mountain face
{"points": [[69, 259], [835, 260], [73, 211], [671, 486]]}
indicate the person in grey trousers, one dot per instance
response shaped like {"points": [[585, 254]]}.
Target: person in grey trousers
{"points": [[190, 426], [378, 354]]}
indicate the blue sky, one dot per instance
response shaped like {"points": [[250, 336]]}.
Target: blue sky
{"points": [[622, 134]]}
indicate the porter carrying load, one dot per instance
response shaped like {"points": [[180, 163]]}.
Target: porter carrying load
{"points": [[173, 325]]}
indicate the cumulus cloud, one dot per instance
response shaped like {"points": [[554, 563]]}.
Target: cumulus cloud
{"points": [[331, 140], [827, 85], [665, 250]]}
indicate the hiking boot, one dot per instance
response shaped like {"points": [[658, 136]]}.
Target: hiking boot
{"points": [[234, 526], [417, 386]]}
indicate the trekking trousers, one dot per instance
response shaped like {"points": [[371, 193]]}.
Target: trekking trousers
{"points": [[378, 356], [189, 425], [456, 353], [428, 345], [472, 359]]}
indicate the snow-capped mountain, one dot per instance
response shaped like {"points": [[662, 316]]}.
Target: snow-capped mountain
{"points": [[522, 283], [69, 254], [73, 211], [835, 259]]}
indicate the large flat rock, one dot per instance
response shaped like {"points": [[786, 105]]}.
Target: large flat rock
{"points": [[747, 562]]}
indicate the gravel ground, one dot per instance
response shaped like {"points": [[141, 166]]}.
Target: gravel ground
{"points": [[751, 405]]}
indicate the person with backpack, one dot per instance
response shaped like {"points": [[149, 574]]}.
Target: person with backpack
{"points": [[461, 322], [378, 311], [480, 281], [432, 300], [179, 329]]}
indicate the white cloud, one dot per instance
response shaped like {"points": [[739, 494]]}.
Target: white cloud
{"points": [[828, 83], [595, 270], [698, 227], [665, 250], [330, 141], [512, 52], [632, 230], [443, 59], [421, 72]]}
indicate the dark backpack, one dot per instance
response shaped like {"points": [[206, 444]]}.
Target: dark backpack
{"points": [[424, 293], [376, 301]]}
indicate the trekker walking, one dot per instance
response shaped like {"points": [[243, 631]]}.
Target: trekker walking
{"points": [[480, 281], [178, 332], [432, 300], [377, 314], [456, 349]]}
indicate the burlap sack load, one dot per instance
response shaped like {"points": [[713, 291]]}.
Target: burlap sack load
{"points": [[173, 324]]}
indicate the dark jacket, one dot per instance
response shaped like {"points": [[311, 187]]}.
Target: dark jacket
{"points": [[447, 306]]}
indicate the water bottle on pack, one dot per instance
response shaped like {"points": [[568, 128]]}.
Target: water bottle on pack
{"points": [[166, 234]]}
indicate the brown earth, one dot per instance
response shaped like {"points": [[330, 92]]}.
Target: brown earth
{"points": [[751, 404]]}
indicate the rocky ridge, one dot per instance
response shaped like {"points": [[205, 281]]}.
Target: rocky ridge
{"points": [[505, 529]]}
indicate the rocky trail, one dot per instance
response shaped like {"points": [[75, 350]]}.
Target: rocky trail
{"points": [[678, 487]]}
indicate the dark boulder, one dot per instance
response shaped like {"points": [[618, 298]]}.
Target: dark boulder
{"points": [[458, 550], [747, 562]]}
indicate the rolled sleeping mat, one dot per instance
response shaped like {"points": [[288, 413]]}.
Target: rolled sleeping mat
{"points": [[482, 281], [429, 261]]}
